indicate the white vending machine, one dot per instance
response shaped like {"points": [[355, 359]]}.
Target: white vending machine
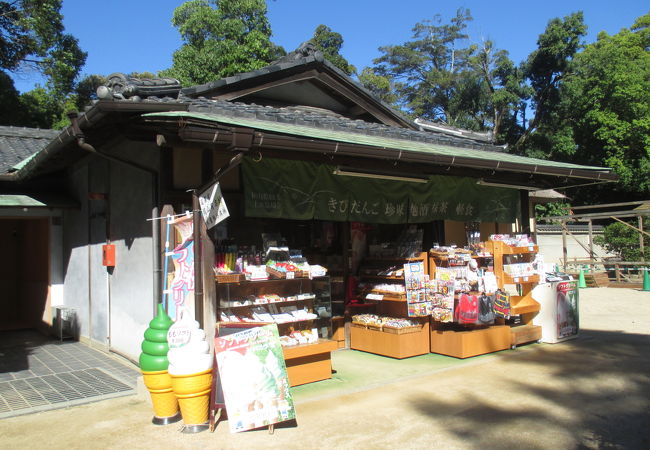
{"points": [[558, 314]]}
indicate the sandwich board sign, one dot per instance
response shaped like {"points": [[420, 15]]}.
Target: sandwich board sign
{"points": [[253, 378]]}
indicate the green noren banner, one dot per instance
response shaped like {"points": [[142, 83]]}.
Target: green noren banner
{"points": [[303, 190]]}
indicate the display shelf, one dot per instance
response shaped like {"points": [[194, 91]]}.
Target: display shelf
{"points": [[307, 363], [420, 256], [508, 279], [388, 343], [316, 288], [504, 249], [378, 264], [522, 305], [466, 343], [280, 302], [382, 277]]}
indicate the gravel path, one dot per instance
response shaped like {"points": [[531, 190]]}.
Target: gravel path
{"points": [[590, 392]]}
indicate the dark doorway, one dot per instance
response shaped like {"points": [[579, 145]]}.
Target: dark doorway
{"points": [[24, 274]]}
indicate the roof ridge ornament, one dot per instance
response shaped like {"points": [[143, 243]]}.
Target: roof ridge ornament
{"points": [[304, 50], [122, 86]]}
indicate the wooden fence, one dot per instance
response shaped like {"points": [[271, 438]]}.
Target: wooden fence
{"points": [[623, 272]]}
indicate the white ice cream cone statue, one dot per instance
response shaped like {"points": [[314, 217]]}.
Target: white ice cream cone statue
{"points": [[190, 368]]}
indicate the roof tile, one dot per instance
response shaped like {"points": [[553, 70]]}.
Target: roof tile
{"points": [[18, 144]]}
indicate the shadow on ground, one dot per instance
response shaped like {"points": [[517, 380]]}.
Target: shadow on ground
{"points": [[595, 389], [15, 348]]}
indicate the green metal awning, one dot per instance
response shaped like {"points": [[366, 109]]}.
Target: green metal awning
{"points": [[482, 158], [36, 201]]}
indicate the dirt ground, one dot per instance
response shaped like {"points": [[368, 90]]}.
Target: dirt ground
{"points": [[590, 392]]}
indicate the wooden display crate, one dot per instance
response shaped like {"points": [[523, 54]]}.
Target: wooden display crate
{"points": [[307, 363], [229, 278], [523, 334], [382, 342], [278, 274], [464, 344], [338, 331]]}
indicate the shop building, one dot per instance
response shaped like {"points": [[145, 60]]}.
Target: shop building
{"points": [[298, 148]]}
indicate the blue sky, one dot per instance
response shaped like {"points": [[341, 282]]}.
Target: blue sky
{"points": [[137, 35]]}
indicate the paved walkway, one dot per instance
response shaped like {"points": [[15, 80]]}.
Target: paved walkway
{"points": [[590, 392], [38, 373]]}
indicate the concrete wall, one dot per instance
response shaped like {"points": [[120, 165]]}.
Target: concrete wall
{"points": [[113, 305], [550, 246], [76, 258], [131, 284]]}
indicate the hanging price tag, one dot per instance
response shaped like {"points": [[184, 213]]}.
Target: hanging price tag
{"points": [[178, 336]]}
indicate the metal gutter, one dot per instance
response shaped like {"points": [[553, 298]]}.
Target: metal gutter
{"points": [[91, 117], [312, 139]]}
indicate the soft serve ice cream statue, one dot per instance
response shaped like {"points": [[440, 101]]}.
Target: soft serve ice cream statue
{"points": [[189, 351]]}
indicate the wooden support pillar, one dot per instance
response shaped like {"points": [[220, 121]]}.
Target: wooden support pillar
{"points": [[591, 241], [641, 241], [525, 211], [198, 260], [564, 249]]}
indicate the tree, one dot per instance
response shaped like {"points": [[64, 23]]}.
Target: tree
{"points": [[380, 85], [622, 240], [545, 69], [329, 43], [10, 106], [438, 76], [607, 107], [41, 109], [505, 90], [428, 72], [32, 35], [221, 38]]}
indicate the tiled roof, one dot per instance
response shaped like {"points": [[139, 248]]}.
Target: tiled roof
{"points": [[303, 57], [404, 143], [319, 118], [18, 144], [574, 228]]}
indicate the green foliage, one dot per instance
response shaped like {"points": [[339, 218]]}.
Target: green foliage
{"points": [[545, 69], [32, 35], [86, 90], [379, 85], [607, 104], [10, 106], [221, 38], [329, 43], [439, 77], [542, 211], [502, 87], [622, 240], [41, 109], [429, 71]]}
